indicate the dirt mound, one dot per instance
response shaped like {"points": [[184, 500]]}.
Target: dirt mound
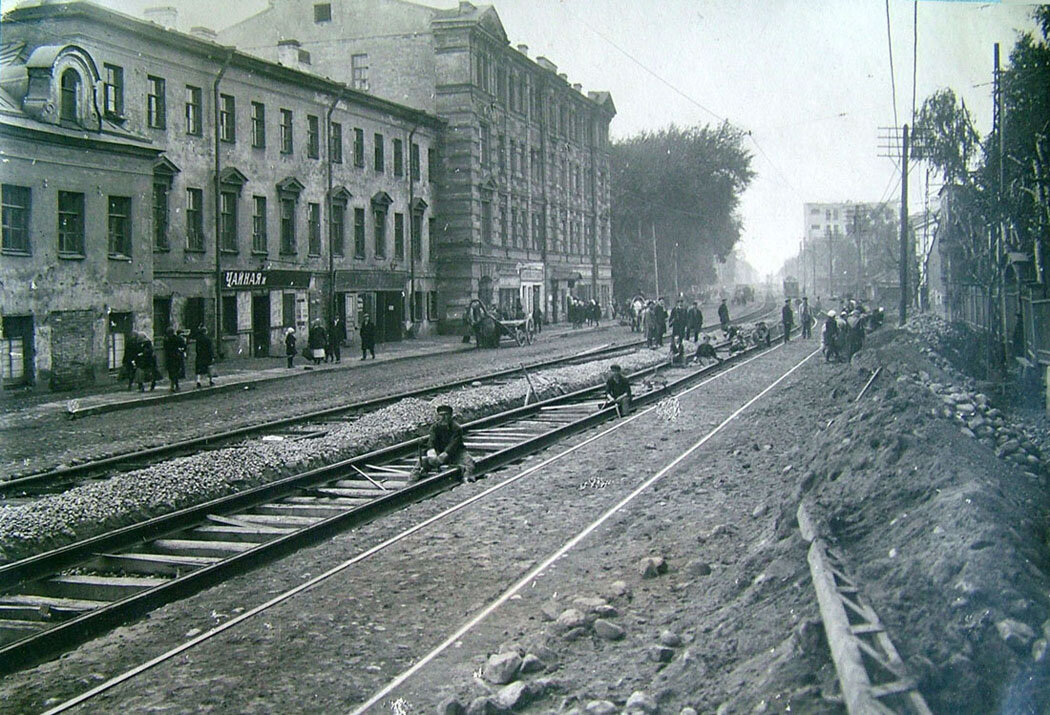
{"points": [[938, 500]]}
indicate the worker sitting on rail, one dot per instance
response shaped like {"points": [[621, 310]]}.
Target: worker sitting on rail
{"points": [[445, 447], [618, 391], [677, 351], [705, 351]]}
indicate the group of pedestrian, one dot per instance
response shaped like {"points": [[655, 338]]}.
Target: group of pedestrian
{"points": [[843, 333], [583, 311], [325, 345], [139, 363]]}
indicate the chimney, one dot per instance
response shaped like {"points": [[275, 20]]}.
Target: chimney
{"points": [[563, 76], [578, 87], [546, 64], [466, 7], [523, 49], [288, 52], [164, 15], [204, 33]]}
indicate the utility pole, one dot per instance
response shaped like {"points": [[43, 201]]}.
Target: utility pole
{"points": [[1000, 250], [676, 293], [656, 264], [904, 227], [831, 276]]}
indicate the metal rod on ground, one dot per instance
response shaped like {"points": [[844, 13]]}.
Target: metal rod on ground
{"points": [[532, 390], [868, 383], [377, 484]]}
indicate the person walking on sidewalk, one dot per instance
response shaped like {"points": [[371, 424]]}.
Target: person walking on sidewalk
{"points": [[368, 337], [289, 345], [316, 340], [787, 320], [131, 349], [723, 316], [202, 365], [537, 318], [174, 358], [146, 364], [336, 336]]}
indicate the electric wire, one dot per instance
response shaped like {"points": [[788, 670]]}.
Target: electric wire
{"points": [[893, 76]]}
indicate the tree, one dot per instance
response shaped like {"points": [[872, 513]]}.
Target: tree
{"points": [[944, 136], [687, 183]]}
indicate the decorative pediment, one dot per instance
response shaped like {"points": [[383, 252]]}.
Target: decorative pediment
{"points": [[382, 200], [164, 171], [489, 185], [39, 84], [231, 177], [340, 195], [418, 205], [290, 186]]}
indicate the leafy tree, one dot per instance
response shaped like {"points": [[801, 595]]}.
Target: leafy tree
{"points": [[687, 183], [945, 137]]}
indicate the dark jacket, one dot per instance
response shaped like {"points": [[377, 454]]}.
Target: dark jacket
{"points": [[289, 344], [368, 334], [617, 385], [679, 319], [175, 355], [696, 318], [787, 317], [317, 337], [205, 354], [446, 438], [337, 333], [723, 313], [146, 361]]}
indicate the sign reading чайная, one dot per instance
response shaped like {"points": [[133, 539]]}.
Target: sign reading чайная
{"points": [[247, 280]]}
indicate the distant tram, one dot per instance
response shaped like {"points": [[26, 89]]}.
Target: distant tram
{"points": [[791, 288]]}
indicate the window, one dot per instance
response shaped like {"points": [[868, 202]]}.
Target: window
{"points": [[484, 129], [15, 200], [70, 223], [193, 110], [288, 310], [486, 219], [227, 126], [338, 228], [259, 224], [399, 158], [228, 221], [323, 12], [359, 147], [119, 227], [229, 315], [359, 71], [70, 89], [313, 223], [417, 306], [379, 219], [288, 227], [156, 103], [258, 125], [380, 159], [432, 305], [399, 236], [160, 217], [313, 137], [194, 220], [415, 161], [503, 219], [359, 233], [335, 143], [501, 157], [431, 166], [286, 131], [114, 92], [417, 236]]}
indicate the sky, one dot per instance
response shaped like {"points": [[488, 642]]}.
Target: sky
{"points": [[809, 79]]}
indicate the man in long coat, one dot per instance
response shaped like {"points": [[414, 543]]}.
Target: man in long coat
{"points": [[787, 320], [368, 337]]}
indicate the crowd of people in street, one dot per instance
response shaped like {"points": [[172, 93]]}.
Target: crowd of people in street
{"points": [[139, 362]]}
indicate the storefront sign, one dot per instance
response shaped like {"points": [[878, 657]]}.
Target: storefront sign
{"points": [[531, 275], [247, 280], [370, 280]]}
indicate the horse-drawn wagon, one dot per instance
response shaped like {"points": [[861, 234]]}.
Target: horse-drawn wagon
{"points": [[489, 330]]}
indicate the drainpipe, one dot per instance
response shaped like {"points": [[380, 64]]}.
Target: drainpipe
{"points": [[328, 207], [217, 204], [540, 86], [594, 224], [411, 220]]}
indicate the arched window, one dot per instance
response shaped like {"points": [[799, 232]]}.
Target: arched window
{"points": [[70, 90]]}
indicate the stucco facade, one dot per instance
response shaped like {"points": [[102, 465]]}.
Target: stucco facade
{"points": [[522, 186], [295, 195]]}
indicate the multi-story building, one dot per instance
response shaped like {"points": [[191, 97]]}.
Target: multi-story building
{"points": [[76, 259], [522, 191], [828, 245], [281, 197]]}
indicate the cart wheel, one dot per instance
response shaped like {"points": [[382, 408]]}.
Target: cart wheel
{"points": [[520, 336], [530, 331]]}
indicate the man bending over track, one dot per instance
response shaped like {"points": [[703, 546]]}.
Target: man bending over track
{"points": [[444, 448], [618, 391]]}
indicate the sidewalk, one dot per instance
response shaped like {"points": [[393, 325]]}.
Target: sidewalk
{"points": [[239, 373]]}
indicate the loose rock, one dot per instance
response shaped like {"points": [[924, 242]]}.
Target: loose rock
{"points": [[608, 630], [1016, 634], [601, 707], [652, 566], [570, 618], [502, 668], [640, 702], [661, 654]]}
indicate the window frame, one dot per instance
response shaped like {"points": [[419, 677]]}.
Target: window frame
{"points": [[227, 118], [228, 221], [260, 239], [313, 229], [194, 111], [156, 103], [288, 237], [113, 92], [322, 12], [360, 248], [24, 212], [194, 220], [359, 147], [359, 71], [76, 231], [258, 125], [313, 137], [379, 214], [118, 227], [287, 131], [69, 97], [399, 236], [379, 153], [335, 142], [399, 157], [337, 228], [161, 223]]}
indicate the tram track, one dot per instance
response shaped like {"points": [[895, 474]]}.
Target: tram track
{"points": [[56, 599], [302, 426]]}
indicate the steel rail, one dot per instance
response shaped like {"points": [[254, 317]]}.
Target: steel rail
{"points": [[140, 458], [36, 569]]}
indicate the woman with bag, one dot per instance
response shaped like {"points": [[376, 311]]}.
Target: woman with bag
{"points": [[146, 365], [174, 358]]}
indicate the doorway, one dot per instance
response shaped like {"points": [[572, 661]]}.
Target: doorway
{"points": [[17, 365], [261, 325], [390, 315]]}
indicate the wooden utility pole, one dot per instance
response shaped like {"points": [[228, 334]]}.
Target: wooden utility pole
{"points": [[1000, 248], [831, 276], [904, 227]]}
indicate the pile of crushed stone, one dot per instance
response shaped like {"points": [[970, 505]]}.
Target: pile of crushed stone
{"points": [[938, 499]]}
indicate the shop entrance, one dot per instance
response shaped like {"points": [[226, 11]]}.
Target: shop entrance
{"points": [[261, 325], [17, 346], [390, 315]]}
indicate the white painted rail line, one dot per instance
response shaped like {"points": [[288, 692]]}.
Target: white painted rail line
{"points": [[307, 585]]}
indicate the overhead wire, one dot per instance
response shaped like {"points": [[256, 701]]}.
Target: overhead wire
{"points": [[893, 75]]}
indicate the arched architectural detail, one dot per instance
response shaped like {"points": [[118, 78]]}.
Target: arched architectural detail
{"points": [[58, 76]]}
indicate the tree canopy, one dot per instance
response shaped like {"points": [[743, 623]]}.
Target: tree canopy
{"points": [[687, 183]]}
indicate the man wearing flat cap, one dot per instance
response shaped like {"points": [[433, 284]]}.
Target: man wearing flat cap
{"points": [[445, 448]]}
